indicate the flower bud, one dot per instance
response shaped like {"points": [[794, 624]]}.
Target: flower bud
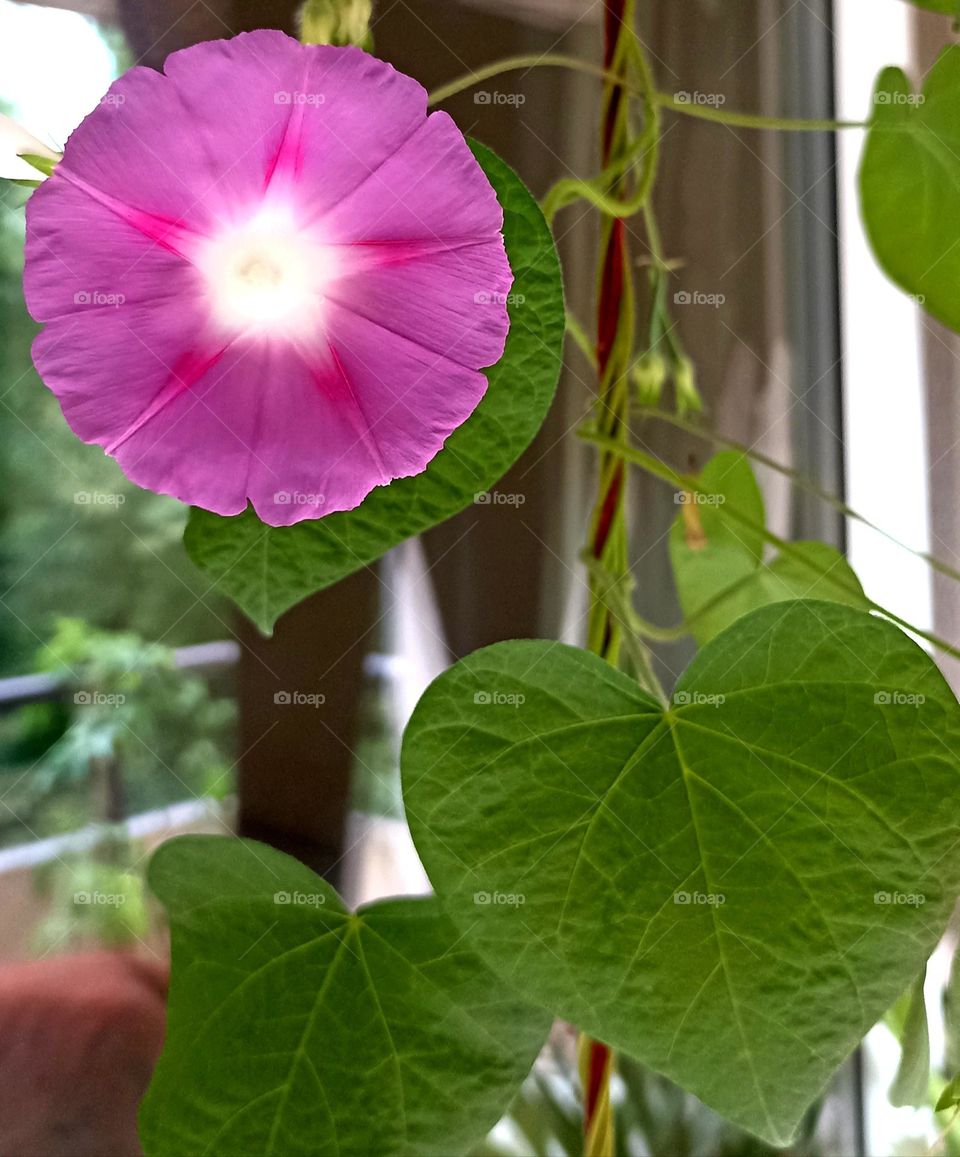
{"points": [[685, 381], [337, 22], [22, 156], [648, 376]]}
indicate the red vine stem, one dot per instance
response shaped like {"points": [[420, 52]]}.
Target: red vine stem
{"points": [[612, 276], [607, 541], [615, 323]]}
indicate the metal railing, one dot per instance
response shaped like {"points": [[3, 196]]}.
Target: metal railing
{"points": [[22, 690]]}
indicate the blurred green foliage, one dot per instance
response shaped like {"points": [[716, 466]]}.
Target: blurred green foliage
{"points": [[91, 903], [132, 732], [75, 536]]}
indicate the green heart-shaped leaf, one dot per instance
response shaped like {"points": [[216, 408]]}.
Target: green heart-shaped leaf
{"points": [[732, 890], [296, 1027], [910, 184], [718, 562], [266, 570]]}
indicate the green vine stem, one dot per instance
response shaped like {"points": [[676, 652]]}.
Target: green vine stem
{"points": [[617, 594], [801, 481], [607, 542], [656, 468], [699, 429], [615, 337], [738, 120], [623, 189], [616, 79]]}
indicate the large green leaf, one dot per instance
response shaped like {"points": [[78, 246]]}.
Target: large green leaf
{"points": [[297, 1027], [266, 570], [732, 890], [718, 561], [910, 184]]}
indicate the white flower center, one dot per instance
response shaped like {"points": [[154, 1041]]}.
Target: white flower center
{"points": [[267, 276]]}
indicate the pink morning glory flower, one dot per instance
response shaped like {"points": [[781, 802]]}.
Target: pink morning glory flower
{"points": [[267, 275]]}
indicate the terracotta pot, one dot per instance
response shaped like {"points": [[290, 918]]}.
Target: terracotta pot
{"points": [[79, 1036]]}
